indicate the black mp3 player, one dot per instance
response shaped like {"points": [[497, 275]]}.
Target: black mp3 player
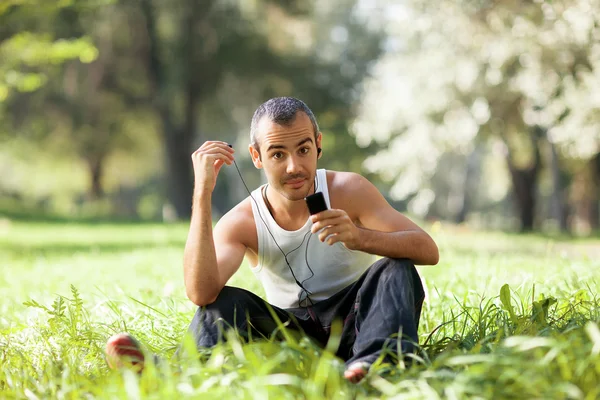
{"points": [[316, 203]]}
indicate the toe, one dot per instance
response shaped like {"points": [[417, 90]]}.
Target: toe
{"points": [[356, 372]]}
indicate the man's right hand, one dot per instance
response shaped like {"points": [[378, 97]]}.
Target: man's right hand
{"points": [[207, 161]]}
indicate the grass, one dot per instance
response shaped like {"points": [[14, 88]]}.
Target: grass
{"points": [[507, 316]]}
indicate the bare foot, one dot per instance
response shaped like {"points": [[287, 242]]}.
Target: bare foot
{"points": [[122, 350], [356, 372]]}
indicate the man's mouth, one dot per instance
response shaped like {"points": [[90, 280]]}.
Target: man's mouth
{"points": [[295, 183]]}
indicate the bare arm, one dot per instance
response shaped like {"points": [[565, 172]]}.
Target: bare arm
{"points": [[365, 221], [209, 259], [413, 244]]}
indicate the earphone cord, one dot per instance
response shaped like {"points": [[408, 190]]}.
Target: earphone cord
{"points": [[312, 273], [308, 292]]}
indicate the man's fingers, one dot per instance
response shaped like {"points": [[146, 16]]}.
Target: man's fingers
{"points": [[327, 222], [331, 230], [333, 239], [337, 237], [223, 158], [327, 214], [209, 143], [212, 160], [218, 165], [213, 147], [216, 149], [208, 160], [333, 226], [215, 154]]}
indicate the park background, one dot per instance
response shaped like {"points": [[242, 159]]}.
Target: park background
{"points": [[478, 112], [478, 119]]}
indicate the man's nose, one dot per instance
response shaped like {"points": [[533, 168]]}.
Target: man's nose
{"points": [[293, 165]]}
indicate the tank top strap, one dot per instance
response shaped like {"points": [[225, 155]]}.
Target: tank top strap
{"points": [[322, 185]]}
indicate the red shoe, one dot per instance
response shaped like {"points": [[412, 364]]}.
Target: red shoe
{"points": [[122, 350]]}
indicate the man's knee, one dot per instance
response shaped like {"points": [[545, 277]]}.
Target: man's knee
{"points": [[231, 305], [228, 297], [401, 271], [230, 309], [393, 268]]}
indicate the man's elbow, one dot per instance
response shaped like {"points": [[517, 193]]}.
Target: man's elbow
{"points": [[434, 254], [431, 253], [435, 258], [201, 300]]}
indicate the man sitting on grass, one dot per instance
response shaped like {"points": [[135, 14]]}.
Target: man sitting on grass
{"points": [[314, 268]]}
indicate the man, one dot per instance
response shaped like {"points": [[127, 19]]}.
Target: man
{"points": [[315, 269]]}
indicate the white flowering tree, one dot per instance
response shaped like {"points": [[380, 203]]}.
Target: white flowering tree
{"points": [[511, 74]]}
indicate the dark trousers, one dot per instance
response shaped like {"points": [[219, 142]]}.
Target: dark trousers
{"points": [[384, 302]]}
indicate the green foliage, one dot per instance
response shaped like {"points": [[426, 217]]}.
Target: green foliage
{"points": [[26, 55], [506, 317], [30, 50]]}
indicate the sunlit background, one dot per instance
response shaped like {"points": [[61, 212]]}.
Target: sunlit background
{"points": [[483, 113]]}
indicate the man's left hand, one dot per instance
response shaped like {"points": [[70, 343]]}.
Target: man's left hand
{"points": [[336, 226]]}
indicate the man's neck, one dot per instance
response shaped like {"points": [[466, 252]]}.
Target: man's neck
{"points": [[290, 215]]}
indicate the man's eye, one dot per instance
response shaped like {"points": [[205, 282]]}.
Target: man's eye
{"points": [[277, 155], [304, 150]]}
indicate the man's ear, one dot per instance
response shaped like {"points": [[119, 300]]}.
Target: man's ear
{"points": [[256, 159], [319, 137]]}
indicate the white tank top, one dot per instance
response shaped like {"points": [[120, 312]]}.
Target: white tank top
{"points": [[334, 267]]}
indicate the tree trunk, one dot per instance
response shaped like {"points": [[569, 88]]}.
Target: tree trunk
{"points": [[525, 182], [96, 168], [594, 206], [470, 183], [524, 185], [180, 179], [559, 203], [178, 136]]}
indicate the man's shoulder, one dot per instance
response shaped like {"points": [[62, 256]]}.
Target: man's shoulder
{"points": [[239, 219], [344, 182], [350, 191]]}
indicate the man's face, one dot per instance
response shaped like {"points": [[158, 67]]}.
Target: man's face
{"points": [[289, 155]]}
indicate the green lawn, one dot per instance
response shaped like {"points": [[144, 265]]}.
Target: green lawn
{"points": [[66, 288]]}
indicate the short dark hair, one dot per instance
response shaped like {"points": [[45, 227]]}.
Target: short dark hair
{"points": [[282, 111]]}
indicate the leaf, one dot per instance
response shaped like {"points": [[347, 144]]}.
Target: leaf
{"points": [[76, 306], [35, 304], [76, 297], [505, 298], [58, 307], [581, 295], [470, 359], [526, 343], [540, 308]]}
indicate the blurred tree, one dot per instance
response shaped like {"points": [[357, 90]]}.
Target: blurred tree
{"points": [[457, 73], [193, 48], [76, 96], [576, 136], [200, 68]]}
